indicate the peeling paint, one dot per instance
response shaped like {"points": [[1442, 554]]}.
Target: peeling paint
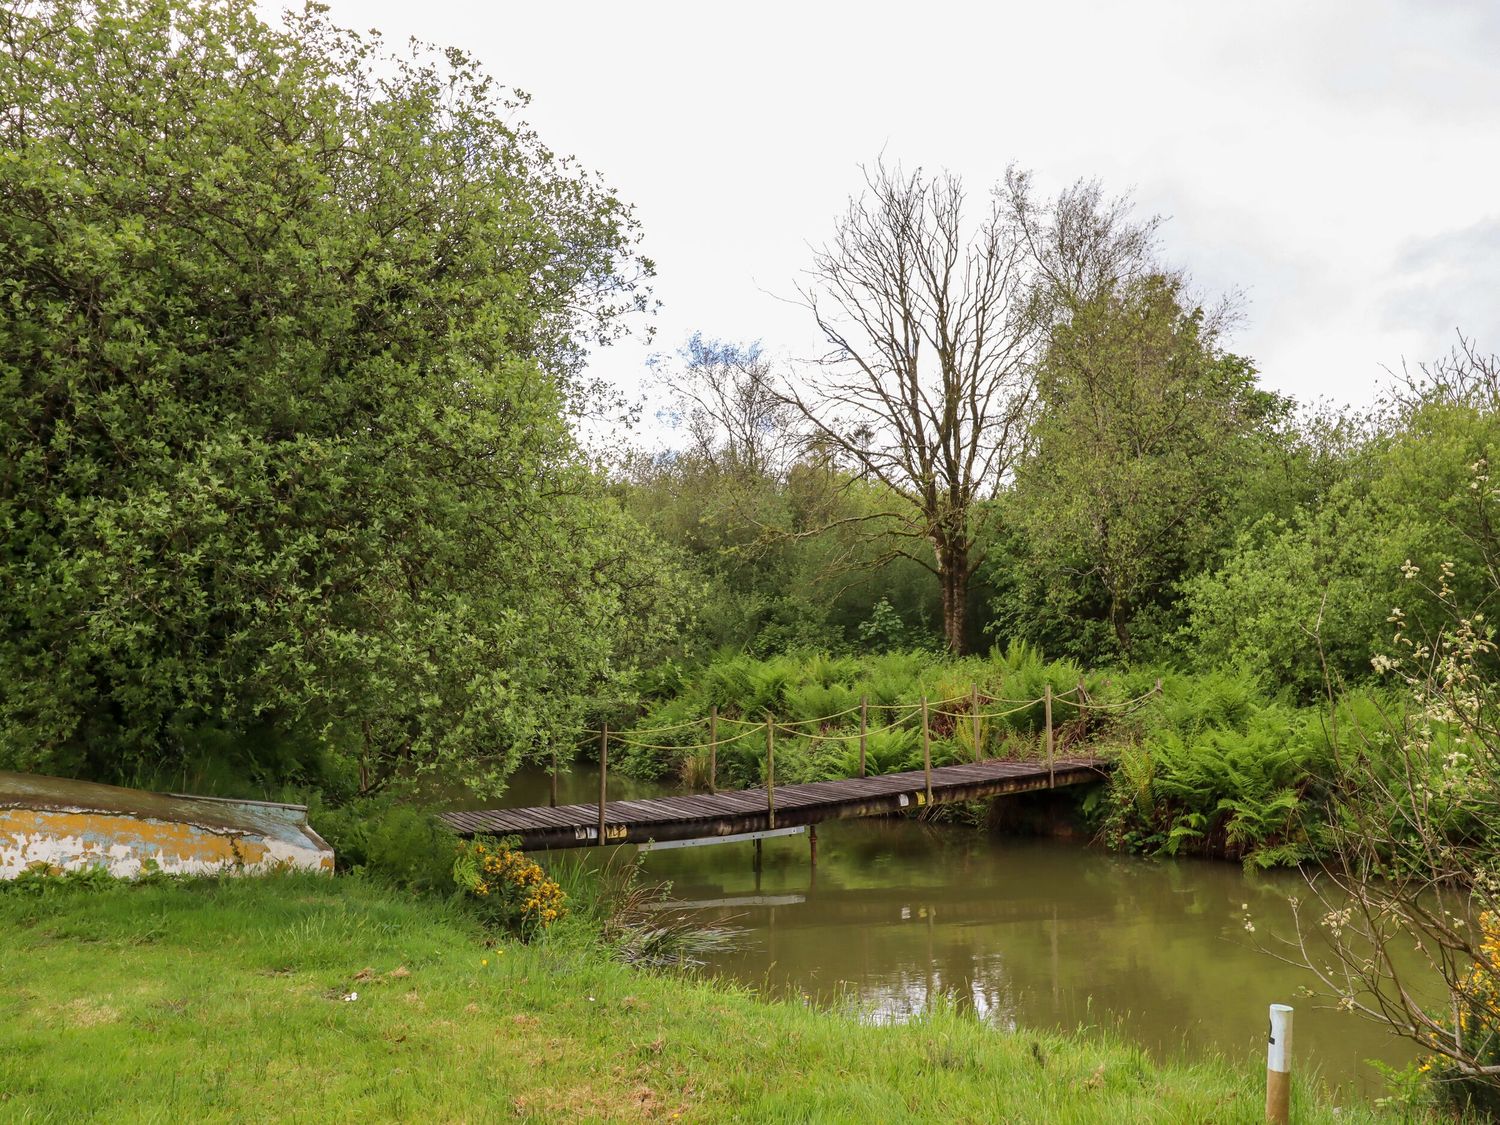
{"points": [[70, 825]]}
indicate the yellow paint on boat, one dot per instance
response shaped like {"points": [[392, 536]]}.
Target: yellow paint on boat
{"points": [[67, 825]]}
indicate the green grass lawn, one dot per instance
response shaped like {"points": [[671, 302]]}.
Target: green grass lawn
{"points": [[223, 1000]]}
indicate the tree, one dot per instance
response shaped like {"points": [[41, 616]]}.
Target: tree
{"points": [[291, 331], [737, 424], [1303, 597], [1144, 427], [927, 385], [1402, 924]]}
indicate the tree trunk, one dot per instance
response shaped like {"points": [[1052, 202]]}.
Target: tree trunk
{"points": [[1119, 617], [953, 575]]}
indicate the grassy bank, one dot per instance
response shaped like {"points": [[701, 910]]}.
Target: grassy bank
{"points": [[224, 1001]]}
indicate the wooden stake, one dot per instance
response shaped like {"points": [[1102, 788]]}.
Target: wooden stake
{"points": [[974, 707], [1047, 703], [552, 797], [603, 774], [713, 749], [926, 750], [770, 772], [864, 707], [1279, 1066]]}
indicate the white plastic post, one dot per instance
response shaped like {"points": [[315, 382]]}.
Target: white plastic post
{"points": [[1279, 1066]]}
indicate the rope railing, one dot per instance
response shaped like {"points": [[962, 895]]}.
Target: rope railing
{"points": [[631, 736], [935, 707], [770, 725]]}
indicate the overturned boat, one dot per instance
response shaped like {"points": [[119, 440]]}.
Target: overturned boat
{"points": [[63, 825]]}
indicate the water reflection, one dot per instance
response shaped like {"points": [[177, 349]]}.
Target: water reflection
{"points": [[1023, 934]]}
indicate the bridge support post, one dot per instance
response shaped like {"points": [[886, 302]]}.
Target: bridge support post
{"points": [[603, 775], [864, 726], [974, 711], [1047, 703], [770, 776], [812, 844], [926, 751], [713, 749]]}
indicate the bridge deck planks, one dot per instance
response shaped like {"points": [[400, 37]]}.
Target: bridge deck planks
{"points": [[729, 811]]}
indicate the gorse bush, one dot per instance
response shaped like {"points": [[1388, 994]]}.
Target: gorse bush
{"points": [[506, 887]]}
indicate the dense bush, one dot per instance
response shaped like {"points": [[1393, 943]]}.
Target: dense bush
{"points": [[401, 844], [1214, 766]]}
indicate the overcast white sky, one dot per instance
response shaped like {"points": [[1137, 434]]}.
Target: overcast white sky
{"points": [[1338, 161]]}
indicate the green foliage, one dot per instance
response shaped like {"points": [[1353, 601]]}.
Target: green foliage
{"points": [[1145, 428], [40, 880], [286, 414], [815, 700], [790, 553], [1214, 766], [400, 844], [1311, 593]]}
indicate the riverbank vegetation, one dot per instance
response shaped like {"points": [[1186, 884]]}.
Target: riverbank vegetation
{"points": [[297, 502], [341, 1000]]}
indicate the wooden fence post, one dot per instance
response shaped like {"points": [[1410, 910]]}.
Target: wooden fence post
{"points": [[926, 749], [1279, 1066], [770, 772], [864, 707], [974, 707], [1047, 703], [552, 797], [603, 774], [713, 749]]}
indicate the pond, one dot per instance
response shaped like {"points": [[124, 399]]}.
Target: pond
{"points": [[1025, 933]]}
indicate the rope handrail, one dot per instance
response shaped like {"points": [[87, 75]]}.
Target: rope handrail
{"points": [[632, 736], [1026, 706], [932, 704], [1115, 705], [622, 740], [852, 735]]}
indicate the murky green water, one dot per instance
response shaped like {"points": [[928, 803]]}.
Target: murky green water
{"points": [[1025, 933]]}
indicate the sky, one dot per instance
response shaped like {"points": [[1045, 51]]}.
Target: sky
{"points": [[1336, 162]]}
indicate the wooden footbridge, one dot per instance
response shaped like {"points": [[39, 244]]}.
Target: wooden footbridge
{"points": [[780, 807]]}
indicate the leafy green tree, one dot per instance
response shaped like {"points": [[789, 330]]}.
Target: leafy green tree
{"points": [[292, 329], [1144, 427], [1308, 595]]}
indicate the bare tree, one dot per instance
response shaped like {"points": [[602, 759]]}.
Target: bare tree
{"points": [[1083, 245], [928, 382], [736, 421]]}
